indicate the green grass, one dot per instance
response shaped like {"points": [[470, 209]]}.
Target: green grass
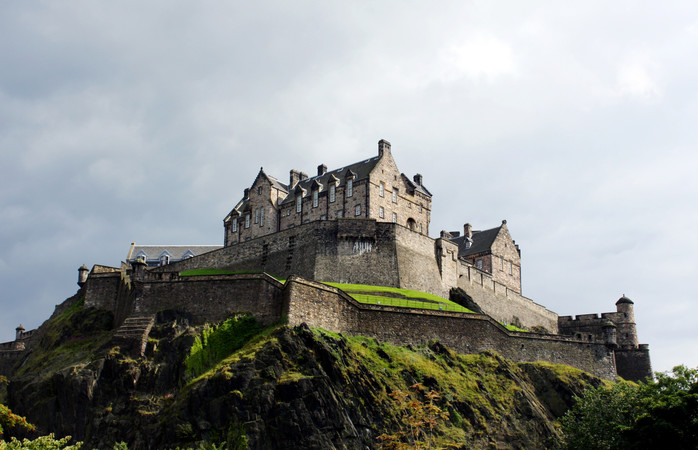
{"points": [[514, 328], [370, 295], [217, 343]]}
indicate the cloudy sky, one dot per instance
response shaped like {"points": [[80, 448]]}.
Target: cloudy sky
{"points": [[144, 121]]}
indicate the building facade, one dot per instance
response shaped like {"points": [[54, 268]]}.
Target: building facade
{"points": [[369, 189]]}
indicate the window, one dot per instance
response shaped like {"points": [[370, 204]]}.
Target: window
{"points": [[247, 221], [394, 195], [511, 268], [315, 198], [381, 191], [323, 217], [420, 227], [501, 263], [261, 217], [420, 207], [350, 187], [164, 259], [235, 225], [394, 217], [256, 215], [381, 212], [358, 210], [299, 203], [479, 264], [339, 214], [333, 191], [259, 190]]}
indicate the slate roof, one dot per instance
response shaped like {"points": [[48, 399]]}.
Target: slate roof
{"points": [[360, 169], [176, 252], [482, 242]]}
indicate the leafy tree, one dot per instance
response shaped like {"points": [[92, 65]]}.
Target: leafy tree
{"points": [[10, 421], [661, 413], [41, 443]]}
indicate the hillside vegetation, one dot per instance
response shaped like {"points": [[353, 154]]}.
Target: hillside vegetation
{"points": [[242, 385]]}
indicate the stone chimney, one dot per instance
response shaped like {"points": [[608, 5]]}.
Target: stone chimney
{"points": [[321, 170], [383, 147], [294, 178], [418, 179], [247, 192], [468, 231]]}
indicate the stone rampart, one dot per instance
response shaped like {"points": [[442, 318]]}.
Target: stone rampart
{"points": [[333, 310], [212, 298], [502, 303]]}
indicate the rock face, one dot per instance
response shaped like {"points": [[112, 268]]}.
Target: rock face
{"points": [[284, 388]]}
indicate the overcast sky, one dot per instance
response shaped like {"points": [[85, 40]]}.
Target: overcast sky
{"points": [[144, 121]]}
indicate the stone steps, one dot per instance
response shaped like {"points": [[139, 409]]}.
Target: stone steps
{"points": [[132, 335]]}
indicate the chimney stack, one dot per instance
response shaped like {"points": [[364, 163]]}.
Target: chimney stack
{"points": [[321, 170], [383, 147], [247, 193], [468, 231], [418, 179], [295, 177]]}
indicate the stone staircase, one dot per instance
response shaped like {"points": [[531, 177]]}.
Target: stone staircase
{"points": [[132, 335]]}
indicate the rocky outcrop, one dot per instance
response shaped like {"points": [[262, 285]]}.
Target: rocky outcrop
{"points": [[285, 388]]}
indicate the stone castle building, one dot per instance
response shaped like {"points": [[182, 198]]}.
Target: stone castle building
{"points": [[364, 223]]}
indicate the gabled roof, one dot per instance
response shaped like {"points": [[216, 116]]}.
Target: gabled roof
{"points": [[482, 242], [415, 186], [360, 170], [176, 252]]}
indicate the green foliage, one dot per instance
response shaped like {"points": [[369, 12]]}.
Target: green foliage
{"points": [[41, 443], [216, 343], [69, 338], [661, 413], [406, 298]]}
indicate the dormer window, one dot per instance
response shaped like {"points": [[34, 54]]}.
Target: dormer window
{"points": [[299, 203], [333, 193], [235, 225], [350, 187], [164, 259], [315, 198]]}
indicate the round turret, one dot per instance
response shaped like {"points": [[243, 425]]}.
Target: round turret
{"points": [[83, 271], [609, 334], [625, 321], [19, 332]]}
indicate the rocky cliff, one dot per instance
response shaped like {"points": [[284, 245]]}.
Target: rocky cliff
{"points": [[276, 387]]}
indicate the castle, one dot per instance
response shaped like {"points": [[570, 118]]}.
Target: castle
{"points": [[365, 223]]}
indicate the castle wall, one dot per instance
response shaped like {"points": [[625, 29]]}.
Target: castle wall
{"points": [[332, 310], [213, 298], [634, 364], [502, 303]]}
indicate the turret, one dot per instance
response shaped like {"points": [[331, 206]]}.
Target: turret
{"points": [[609, 334], [627, 334], [139, 266], [83, 271], [19, 332]]}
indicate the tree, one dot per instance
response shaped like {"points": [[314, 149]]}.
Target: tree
{"points": [[660, 413]]}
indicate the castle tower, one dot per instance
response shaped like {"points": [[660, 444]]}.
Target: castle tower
{"points": [[626, 332], [83, 271]]}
